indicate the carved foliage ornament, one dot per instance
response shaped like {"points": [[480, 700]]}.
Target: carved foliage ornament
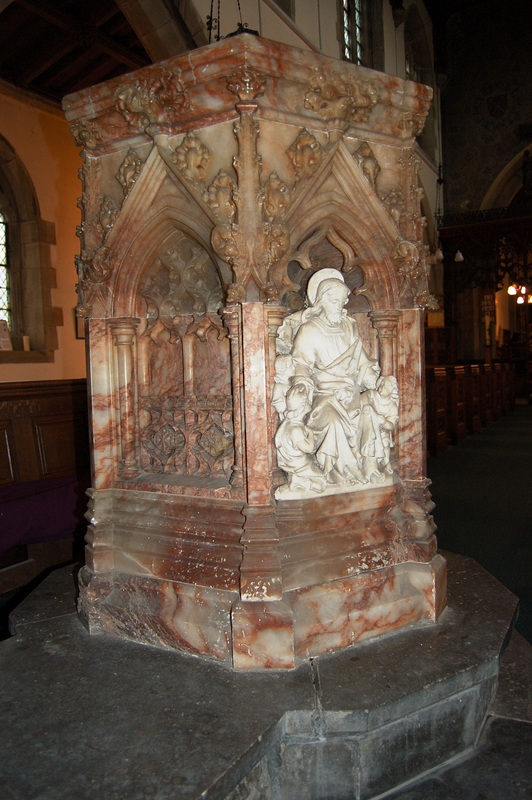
{"points": [[86, 134], [247, 85], [368, 163], [276, 198], [186, 282], [411, 123], [258, 238], [192, 158], [332, 97], [394, 203], [219, 197], [150, 101], [413, 267], [188, 435], [306, 154], [107, 214], [94, 272], [129, 171]]}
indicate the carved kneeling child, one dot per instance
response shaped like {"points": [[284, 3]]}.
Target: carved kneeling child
{"points": [[295, 445]]}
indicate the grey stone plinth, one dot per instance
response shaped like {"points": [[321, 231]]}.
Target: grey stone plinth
{"points": [[88, 715]]}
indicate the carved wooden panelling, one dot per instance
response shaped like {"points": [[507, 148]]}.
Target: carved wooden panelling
{"points": [[60, 444], [7, 465], [43, 430]]}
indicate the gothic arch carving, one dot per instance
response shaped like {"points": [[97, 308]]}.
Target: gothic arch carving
{"points": [[152, 241], [341, 200], [157, 207]]}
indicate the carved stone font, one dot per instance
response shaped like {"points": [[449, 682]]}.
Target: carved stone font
{"points": [[253, 273], [337, 412]]}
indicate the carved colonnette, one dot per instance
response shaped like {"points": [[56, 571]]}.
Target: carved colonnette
{"points": [[222, 210]]}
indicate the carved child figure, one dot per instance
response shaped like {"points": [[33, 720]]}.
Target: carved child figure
{"points": [[295, 445], [381, 408]]}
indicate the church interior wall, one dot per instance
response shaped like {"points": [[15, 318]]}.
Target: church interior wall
{"points": [[486, 101], [41, 139]]}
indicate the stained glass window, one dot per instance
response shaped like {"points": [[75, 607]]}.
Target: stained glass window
{"points": [[5, 305], [352, 30]]}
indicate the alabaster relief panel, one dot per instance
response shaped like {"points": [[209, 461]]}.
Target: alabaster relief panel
{"points": [[337, 412], [185, 403]]}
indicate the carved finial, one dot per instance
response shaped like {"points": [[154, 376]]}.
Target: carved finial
{"points": [[247, 85]]}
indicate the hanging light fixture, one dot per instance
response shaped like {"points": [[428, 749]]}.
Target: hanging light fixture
{"points": [[215, 23], [512, 289]]}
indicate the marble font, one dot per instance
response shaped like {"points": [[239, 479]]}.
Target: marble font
{"points": [[253, 278]]}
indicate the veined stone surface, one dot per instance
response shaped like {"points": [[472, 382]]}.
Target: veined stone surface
{"points": [[254, 504]]}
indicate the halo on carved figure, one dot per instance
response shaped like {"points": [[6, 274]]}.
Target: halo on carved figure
{"points": [[321, 275]]}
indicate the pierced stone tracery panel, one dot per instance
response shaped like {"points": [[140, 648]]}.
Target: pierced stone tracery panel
{"points": [[187, 436], [185, 403]]}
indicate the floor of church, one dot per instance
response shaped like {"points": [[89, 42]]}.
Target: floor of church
{"points": [[483, 510]]}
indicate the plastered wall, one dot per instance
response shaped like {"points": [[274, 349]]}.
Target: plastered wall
{"points": [[42, 141]]}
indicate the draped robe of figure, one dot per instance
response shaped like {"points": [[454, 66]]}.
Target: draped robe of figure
{"points": [[331, 360]]}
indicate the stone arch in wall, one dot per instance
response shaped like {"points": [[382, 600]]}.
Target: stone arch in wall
{"points": [[31, 272], [507, 184]]}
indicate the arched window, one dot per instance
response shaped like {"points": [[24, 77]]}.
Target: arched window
{"points": [[5, 295], [26, 272], [362, 33], [353, 31]]}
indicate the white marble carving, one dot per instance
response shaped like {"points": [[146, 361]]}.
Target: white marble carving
{"points": [[337, 413]]}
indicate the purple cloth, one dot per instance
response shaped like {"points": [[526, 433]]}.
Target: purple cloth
{"points": [[41, 511]]}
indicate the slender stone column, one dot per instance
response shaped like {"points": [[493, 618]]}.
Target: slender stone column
{"points": [[275, 316], [261, 622], [123, 332], [232, 320], [260, 572], [385, 323]]}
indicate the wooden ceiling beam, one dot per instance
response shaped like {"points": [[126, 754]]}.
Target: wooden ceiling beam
{"points": [[85, 33], [32, 73]]}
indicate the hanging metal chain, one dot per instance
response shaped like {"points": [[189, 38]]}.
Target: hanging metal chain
{"points": [[213, 23]]}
